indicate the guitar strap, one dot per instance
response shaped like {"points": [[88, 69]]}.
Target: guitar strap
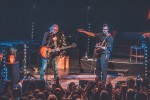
{"points": [[104, 40]]}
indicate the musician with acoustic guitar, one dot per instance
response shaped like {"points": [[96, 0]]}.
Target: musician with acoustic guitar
{"points": [[103, 49], [53, 40]]}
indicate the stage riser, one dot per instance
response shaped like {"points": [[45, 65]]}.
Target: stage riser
{"points": [[133, 69]]}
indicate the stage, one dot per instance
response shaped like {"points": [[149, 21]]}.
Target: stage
{"points": [[119, 70], [121, 28]]}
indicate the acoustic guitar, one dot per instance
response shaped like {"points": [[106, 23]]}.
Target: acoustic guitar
{"points": [[45, 52]]}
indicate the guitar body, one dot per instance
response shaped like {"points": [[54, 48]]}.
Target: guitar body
{"points": [[98, 50], [45, 52]]}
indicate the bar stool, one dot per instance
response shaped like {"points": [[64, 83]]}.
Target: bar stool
{"points": [[138, 52]]}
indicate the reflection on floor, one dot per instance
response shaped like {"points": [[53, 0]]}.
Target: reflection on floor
{"points": [[119, 69], [66, 79]]}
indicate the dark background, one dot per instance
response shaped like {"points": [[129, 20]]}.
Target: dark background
{"points": [[17, 16]]}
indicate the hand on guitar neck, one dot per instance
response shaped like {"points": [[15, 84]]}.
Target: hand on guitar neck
{"points": [[57, 49], [108, 34]]}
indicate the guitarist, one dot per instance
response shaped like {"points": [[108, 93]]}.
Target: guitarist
{"points": [[52, 39], [103, 49]]}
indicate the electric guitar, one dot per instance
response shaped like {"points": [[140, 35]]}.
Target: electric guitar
{"points": [[101, 47], [45, 52]]}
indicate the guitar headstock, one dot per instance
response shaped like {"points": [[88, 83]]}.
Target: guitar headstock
{"points": [[74, 45]]}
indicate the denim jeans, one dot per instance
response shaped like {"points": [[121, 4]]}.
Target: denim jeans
{"points": [[45, 63], [101, 66]]}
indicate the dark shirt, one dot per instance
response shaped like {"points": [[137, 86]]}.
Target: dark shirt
{"points": [[109, 41], [48, 41]]}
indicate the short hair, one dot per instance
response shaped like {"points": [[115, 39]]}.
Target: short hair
{"points": [[70, 85], [52, 97], [41, 95], [117, 94], [104, 95], [35, 92], [130, 94], [106, 25], [130, 82]]}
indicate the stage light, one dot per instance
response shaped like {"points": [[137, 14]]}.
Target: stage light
{"points": [[146, 60], [1, 56], [12, 59], [4, 70], [148, 17]]}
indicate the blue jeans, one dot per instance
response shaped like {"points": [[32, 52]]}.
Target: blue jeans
{"points": [[45, 63], [101, 66]]}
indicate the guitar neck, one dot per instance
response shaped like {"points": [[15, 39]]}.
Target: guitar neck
{"points": [[63, 48]]}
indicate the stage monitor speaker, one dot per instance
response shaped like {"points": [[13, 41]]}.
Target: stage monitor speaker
{"points": [[88, 66], [13, 72], [33, 84]]}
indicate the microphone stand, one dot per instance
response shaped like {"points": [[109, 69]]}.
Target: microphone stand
{"points": [[88, 11]]}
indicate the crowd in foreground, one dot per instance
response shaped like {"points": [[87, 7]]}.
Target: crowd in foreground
{"points": [[130, 90]]}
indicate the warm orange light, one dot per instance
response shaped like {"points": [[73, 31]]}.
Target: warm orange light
{"points": [[12, 58], [148, 17], [1, 56]]}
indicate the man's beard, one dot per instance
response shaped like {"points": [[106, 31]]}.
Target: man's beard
{"points": [[105, 33]]}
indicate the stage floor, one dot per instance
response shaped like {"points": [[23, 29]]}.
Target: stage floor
{"points": [[125, 60], [66, 79], [75, 75]]}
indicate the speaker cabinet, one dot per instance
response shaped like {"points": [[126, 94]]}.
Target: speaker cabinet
{"points": [[87, 66], [73, 57], [13, 72], [63, 62]]}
